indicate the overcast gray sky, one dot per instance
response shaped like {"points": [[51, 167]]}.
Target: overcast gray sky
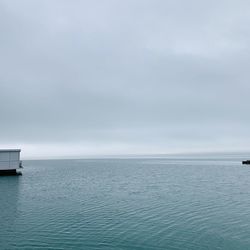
{"points": [[103, 77]]}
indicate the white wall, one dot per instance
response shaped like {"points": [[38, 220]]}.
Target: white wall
{"points": [[9, 160]]}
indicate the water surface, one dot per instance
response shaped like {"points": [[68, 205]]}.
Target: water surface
{"points": [[158, 203]]}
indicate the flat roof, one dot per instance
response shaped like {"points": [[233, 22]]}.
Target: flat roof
{"points": [[10, 150]]}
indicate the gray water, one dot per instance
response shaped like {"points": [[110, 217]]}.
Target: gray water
{"points": [[182, 203]]}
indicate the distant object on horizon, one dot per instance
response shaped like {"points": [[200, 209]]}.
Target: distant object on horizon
{"points": [[10, 161], [246, 162]]}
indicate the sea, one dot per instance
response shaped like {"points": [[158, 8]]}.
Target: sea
{"points": [[188, 202]]}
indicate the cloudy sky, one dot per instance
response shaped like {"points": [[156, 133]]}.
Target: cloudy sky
{"points": [[106, 77]]}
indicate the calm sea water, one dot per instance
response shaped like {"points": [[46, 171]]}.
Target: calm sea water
{"points": [[182, 203]]}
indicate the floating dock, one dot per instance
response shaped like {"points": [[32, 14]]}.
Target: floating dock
{"points": [[10, 161]]}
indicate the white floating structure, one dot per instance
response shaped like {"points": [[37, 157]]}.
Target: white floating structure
{"points": [[9, 161]]}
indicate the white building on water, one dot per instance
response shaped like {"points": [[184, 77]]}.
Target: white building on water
{"points": [[9, 161]]}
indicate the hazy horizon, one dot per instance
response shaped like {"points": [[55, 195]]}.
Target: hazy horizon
{"points": [[89, 78], [239, 155]]}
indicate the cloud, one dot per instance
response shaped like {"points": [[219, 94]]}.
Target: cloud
{"points": [[141, 76]]}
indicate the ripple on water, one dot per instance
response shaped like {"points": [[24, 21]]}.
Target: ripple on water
{"points": [[126, 204]]}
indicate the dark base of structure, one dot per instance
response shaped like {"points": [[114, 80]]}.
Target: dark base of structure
{"points": [[246, 162], [9, 172]]}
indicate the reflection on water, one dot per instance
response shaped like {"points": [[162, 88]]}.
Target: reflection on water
{"points": [[127, 204], [9, 187]]}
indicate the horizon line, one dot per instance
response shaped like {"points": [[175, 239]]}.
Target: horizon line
{"points": [[131, 156]]}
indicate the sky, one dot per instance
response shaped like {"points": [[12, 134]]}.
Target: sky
{"points": [[110, 77]]}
